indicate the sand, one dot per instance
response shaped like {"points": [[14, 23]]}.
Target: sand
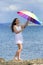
{"points": [[23, 62]]}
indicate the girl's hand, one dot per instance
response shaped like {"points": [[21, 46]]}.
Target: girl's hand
{"points": [[23, 26]]}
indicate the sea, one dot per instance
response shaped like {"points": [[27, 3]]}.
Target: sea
{"points": [[32, 42]]}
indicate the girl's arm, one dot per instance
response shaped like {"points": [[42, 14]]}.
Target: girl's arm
{"points": [[23, 26], [15, 30]]}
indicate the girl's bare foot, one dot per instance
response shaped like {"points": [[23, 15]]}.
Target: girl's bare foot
{"points": [[16, 58], [19, 59]]}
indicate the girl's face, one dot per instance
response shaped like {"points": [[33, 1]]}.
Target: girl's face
{"points": [[17, 21]]}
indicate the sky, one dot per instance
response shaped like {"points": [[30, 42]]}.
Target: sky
{"points": [[9, 9]]}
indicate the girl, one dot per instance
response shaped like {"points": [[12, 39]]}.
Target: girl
{"points": [[17, 28]]}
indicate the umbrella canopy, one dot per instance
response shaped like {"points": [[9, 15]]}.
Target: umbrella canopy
{"points": [[30, 16]]}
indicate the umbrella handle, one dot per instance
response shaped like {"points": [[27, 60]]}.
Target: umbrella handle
{"points": [[28, 18]]}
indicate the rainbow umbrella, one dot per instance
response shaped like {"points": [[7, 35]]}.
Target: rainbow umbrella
{"points": [[30, 16]]}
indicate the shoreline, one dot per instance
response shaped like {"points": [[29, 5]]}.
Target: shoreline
{"points": [[23, 62]]}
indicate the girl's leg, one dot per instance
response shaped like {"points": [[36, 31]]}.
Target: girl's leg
{"points": [[18, 53], [19, 50]]}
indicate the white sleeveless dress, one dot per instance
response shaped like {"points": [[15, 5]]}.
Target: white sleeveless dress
{"points": [[18, 37]]}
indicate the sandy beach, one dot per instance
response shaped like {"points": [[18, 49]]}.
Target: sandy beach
{"points": [[23, 62]]}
